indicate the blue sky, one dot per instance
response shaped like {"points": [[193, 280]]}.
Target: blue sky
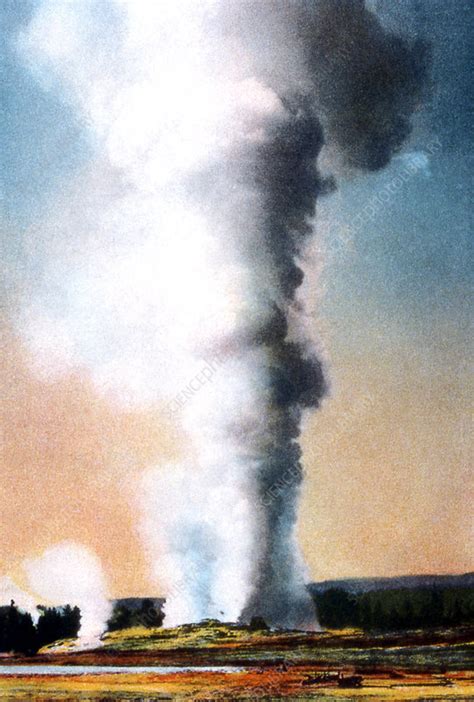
{"points": [[414, 257], [41, 140]]}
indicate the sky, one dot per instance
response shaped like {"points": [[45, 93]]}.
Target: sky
{"points": [[388, 477]]}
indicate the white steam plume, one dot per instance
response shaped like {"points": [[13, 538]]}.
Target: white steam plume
{"points": [[68, 573], [178, 249], [10, 590]]}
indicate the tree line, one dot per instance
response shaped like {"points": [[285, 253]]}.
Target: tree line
{"points": [[124, 616], [397, 609], [338, 608], [19, 634]]}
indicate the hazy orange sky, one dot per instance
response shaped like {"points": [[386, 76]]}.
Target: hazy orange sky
{"points": [[387, 486]]}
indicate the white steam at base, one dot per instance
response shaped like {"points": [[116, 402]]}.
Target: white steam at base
{"points": [[180, 244], [66, 573], [70, 573], [9, 590]]}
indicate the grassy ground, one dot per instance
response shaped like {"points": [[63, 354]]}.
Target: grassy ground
{"points": [[215, 643], [274, 665]]}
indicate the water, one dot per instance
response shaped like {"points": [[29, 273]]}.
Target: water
{"points": [[108, 669]]}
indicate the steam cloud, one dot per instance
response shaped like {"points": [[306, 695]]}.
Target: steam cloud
{"points": [[69, 573], [66, 573], [9, 591], [182, 242]]}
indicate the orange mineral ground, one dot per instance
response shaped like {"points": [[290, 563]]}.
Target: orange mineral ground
{"points": [[267, 684]]}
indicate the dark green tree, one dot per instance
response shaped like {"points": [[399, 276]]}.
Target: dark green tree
{"points": [[57, 623], [121, 618], [337, 608], [17, 631], [149, 615]]}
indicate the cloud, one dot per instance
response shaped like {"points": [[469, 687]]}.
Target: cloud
{"points": [[9, 591], [69, 573]]}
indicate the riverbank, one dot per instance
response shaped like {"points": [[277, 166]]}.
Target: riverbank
{"points": [[261, 664]]}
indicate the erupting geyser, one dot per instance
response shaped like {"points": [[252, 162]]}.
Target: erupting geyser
{"points": [[188, 228]]}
